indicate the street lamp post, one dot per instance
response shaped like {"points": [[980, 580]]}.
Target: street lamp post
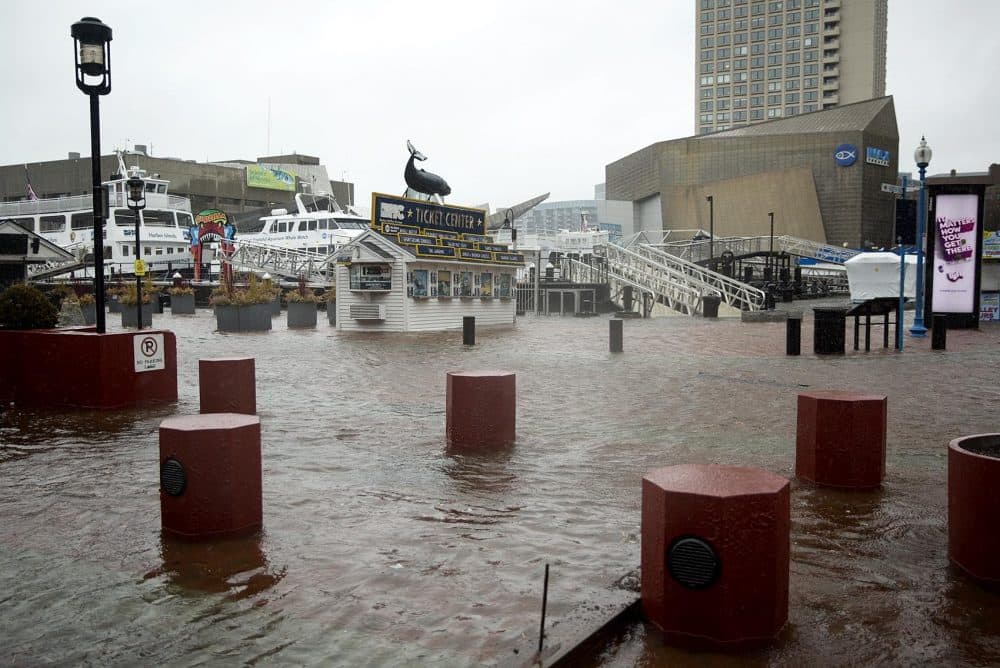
{"points": [[711, 229], [922, 156], [92, 56], [770, 251], [137, 202]]}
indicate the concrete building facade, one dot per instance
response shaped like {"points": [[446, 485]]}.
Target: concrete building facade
{"points": [[550, 217], [208, 185], [819, 173], [757, 60]]}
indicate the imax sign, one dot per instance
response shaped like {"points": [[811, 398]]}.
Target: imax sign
{"points": [[876, 156]]}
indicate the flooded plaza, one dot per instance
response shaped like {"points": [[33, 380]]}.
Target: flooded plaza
{"points": [[383, 547]]}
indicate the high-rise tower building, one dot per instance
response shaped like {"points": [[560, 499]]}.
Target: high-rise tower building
{"points": [[758, 60]]}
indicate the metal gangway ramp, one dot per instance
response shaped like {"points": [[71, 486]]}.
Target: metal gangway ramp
{"points": [[697, 250], [674, 282], [291, 263]]}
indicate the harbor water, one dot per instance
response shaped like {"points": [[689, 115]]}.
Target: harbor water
{"points": [[383, 547]]}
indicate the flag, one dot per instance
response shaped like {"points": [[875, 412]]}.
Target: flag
{"points": [[31, 191]]}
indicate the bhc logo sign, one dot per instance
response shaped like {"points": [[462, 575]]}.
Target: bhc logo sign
{"points": [[845, 154]]}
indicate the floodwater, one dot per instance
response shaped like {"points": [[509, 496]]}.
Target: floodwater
{"points": [[383, 548]]}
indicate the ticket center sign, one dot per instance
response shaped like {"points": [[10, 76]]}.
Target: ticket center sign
{"points": [[956, 226], [148, 352], [390, 210]]}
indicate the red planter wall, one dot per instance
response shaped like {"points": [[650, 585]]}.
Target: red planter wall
{"points": [[78, 368]]}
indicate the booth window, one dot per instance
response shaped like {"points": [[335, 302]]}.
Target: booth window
{"points": [[376, 277]]}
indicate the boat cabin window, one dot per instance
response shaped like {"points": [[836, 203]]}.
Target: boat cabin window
{"points": [[371, 277], [147, 250], [123, 218], [155, 218], [58, 223], [351, 224], [308, 225], [170, 250], [150, 187], [124, 251], [25, 223], [161, 188], [82, 221], [283, 226]]}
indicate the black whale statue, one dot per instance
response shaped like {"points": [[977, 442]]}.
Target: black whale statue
{"points": [[422, 181]]}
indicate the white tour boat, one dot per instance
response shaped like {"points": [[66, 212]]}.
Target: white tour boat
{"points": [[318, 225], [164, 225]]}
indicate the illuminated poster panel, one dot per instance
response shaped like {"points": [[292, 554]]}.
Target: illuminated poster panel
{"points": [[957, 228]]}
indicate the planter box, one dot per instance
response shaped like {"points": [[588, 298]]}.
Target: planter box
{"points": [[253, 318], [182, 304], [331, 312], [276, 306], [114, 306], [101, 375], [89, 313], [301, 314], [130, 317]]}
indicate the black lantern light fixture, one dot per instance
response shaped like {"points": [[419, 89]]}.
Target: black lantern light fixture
{"points": [[922, 156], [137, 202], [92, 57]]}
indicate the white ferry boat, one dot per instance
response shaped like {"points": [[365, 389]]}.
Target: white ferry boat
{"points": [[318, 225], [564, 242], [164, 225]]}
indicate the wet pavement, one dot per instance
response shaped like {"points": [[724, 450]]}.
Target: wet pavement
{"points": [[383, 547]]}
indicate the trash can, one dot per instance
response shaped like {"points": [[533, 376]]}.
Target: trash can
{"points": [[710, 306], [829, 324], [787, 294]]}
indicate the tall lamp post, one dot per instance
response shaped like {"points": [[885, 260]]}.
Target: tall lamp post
{"points": [[770, 251], [137, 202], [922, 156], [92, 55], [711, 229]]}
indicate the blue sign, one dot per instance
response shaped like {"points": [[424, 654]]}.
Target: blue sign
{"points": [[876, 156], [845, 154]]}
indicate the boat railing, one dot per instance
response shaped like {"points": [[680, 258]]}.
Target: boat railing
{"points": [[85, 202]]}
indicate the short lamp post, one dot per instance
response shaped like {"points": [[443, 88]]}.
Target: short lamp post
{"points": [[137, 202], [922, 156], [92, 56], [711, 229]]}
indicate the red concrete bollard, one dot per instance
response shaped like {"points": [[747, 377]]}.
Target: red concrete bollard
{"points": [[481, 408], [227, 385], [974, 506], [715, 553], [840, 439], [210, 478]]}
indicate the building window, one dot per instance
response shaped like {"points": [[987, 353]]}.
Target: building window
{"points": [[740, 104], [774, 99], [757, 61], [810, 69], [792, 84], [756, 114], [774, 73], [706, 106], [721, 104], [740, 76], [774, 33], [707, 42], [793, 31], [792, 71], [774, 113], [793, 57], [757, 101], [807, 108], [756, 88], [774, 60], [774, 87], [757, 49], [791, 98], [707, 81], [791, 111], [810, 96]]}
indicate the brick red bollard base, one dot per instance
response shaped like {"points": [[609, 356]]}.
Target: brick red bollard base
{"points": [[715, 554], [840, 439], [481, 408], [974, 506], [210, 477], [227, 385]]}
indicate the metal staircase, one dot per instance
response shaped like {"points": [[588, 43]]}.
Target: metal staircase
{"points": [[671, 281], [290, 263], [698, 250]]}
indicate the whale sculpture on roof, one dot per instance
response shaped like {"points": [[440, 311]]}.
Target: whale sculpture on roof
{"points": [[423, 182]]}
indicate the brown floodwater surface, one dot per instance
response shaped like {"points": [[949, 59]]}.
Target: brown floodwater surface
{"points": [[381, 546]]}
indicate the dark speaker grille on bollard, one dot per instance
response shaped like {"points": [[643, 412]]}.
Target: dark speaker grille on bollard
{"points": [[693, 563], [172, 477]]}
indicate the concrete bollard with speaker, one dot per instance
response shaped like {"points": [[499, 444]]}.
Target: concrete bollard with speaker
{"points": [[210, 475], [715, 555]]}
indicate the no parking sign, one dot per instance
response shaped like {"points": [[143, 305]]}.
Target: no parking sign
{"points": [[148, 352]]}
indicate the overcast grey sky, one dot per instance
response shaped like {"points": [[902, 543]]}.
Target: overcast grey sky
{"points": [[507, 98]]}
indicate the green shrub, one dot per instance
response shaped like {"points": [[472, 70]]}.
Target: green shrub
{"points": [[25, 307]]}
